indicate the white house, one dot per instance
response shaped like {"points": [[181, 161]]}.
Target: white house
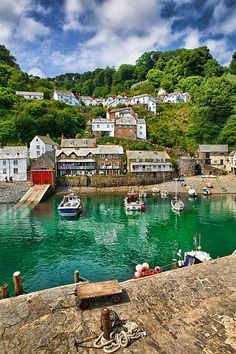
{"points": [[90, 101], [116, 101], [176, 97], [67, 97], [41, 144], [143, 162], [31, 95], [232, 162], [146, 100], [13, 163], [103, 127], [141, 129]]}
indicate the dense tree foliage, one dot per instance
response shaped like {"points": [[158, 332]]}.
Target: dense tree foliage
{"points": [[208, 118]]}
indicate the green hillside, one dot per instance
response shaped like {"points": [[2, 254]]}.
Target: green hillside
{"points": [[209, 118]]}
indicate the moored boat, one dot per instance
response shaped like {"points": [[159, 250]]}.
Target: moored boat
{"points": [[155, 190], [206, 191], [192, 193], [177, 204], [70, 206], [133, 202], [164, 194], [194, 256]]}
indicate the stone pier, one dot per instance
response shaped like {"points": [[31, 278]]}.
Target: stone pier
{"points": [[188, 310]]}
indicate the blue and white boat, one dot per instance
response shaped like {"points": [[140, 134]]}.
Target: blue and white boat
{"points": [[193, 257], [70, 206]]}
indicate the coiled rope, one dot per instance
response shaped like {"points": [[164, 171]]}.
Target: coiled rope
{"points": [[122, 335]]}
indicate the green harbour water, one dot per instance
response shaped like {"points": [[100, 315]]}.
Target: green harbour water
{"points": [[106, 243]]}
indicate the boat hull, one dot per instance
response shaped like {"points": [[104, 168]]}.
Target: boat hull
{"points": [[69, 212]]}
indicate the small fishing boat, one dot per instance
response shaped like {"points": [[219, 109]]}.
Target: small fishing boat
{"points": [[164, 194], [133, 202], [177, 204], [143, 194], [193, 257], [70, 206], [206, 191], [192, 193], [155, 190]]}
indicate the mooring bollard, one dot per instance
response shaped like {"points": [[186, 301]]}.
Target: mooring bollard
{"points": [[5, 291], [17, 283], [106, 323], [76, 276]]}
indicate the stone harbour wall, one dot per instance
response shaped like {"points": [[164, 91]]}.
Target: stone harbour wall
{"points": [[100, 181], [187, 310]]}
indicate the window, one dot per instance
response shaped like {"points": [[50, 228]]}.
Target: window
{"points": [[4, 162], [102, 156], [115, 156], [98, 125], [38, 153], [141, 127], [37, 147], [37, 139], [15, 171], [15, 162], [108, 126], [4, 171], [119, 131], [18, 154], [63, 156]]}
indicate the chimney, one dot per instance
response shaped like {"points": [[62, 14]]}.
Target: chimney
{"points": [[76, 147], [62, 136]]}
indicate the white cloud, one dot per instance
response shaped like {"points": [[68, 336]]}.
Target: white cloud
{"points": [[17, 24], [36, 72], [219, 49], [192, 39], [123, 31]]}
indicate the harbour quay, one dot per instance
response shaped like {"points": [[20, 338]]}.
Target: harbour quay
{"points": [[186, 310]]}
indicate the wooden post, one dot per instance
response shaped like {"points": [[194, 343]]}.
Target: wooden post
{"points": [[106, 323], [76, 276], [5, 291], [17, 283]]}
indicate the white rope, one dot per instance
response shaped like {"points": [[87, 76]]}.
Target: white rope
{"points": [[122, 335]]}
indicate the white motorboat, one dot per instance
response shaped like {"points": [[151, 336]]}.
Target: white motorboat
{"points": [[155, 190], [133, 202], [192, 193], [193, 257], [70, 206], [164, 194]]}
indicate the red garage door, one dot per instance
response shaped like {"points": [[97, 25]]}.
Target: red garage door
{"points": [[41, 176]]}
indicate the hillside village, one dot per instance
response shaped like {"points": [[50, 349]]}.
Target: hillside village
{"points": [[144, 110]]}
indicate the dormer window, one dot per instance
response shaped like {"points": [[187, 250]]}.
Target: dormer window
{"points": [[17, 154], [63, 155]]}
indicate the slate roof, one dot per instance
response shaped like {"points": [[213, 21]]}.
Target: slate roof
{"points": [[213, 148], [142, 154], [30, 93], [81, 143], [83, 152], [47, 140], [9, 152]]}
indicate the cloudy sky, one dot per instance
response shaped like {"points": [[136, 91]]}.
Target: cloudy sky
{"points": [[51, 37]]}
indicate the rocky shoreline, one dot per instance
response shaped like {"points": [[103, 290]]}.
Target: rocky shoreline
{"points": [[11, 193]]}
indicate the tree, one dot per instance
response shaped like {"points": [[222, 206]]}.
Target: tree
{"points": [[228, 133], [7, 58], [232, 65]]}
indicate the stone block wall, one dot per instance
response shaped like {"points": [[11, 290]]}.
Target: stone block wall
{"points": [[78, 181]]}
